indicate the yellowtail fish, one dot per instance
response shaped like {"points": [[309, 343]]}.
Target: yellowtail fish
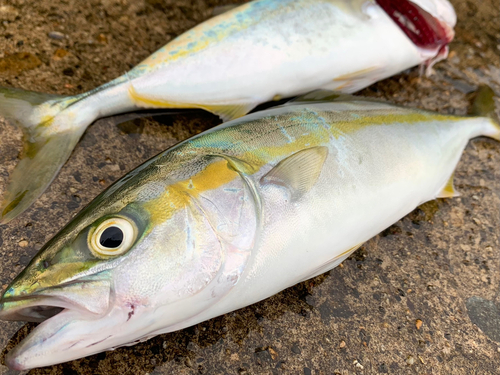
{"points": [[230, 217], [227, 65]]}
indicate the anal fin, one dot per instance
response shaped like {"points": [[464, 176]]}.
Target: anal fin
{"points": [[230, 111], [449, 190], [332, 263], [226, 112]]}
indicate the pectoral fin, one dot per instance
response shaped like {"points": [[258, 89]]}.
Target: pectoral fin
{"points": [[298, 172], [449, 190]]}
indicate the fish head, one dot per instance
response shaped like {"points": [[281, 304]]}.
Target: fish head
{"points": [[145, 256], [427, 23]]}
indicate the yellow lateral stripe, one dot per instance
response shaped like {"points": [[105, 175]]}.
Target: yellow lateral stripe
{"points": [[178, 195], [304, 131]]}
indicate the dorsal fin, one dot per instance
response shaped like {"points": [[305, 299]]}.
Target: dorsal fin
{"points": [[218, 10], [298, 172]]}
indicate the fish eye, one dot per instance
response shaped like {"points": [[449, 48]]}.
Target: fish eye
{"points": [[112, 237]]}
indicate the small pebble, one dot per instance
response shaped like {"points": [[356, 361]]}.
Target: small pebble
{"points": [[56, 35], [8, 13], [418, 324], [410, 360], [60, 54], [342, 344], [357, 364], [23, 243], [296, 349], [274, 354], [101, 38]]}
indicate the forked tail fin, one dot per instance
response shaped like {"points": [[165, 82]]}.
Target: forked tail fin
{"points": [[483, 104], [47, 144]]}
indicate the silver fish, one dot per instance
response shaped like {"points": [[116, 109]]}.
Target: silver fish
{"points": [[230, 217], [254, 53]]}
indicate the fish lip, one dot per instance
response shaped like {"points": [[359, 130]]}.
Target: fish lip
{"points": [[16, 358], [31, 308], [40, 305], [50, 311]]}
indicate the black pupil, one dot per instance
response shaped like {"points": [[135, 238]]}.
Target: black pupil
{"points": [[111, 238]]}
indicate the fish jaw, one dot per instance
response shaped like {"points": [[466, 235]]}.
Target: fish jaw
{"points": [[72, 334], [76, 310], [79, 318], [43, 304]]}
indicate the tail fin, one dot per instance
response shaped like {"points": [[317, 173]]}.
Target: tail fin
{"points": [[483, 105], [47, 145]]}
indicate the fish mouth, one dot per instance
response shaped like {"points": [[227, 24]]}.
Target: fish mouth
{"points": [[55, 308], [46, 303], [42, 309], [425, 30], [31, 309], [53, 319]]}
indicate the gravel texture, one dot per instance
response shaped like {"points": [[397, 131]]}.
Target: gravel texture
{"points": [[420, 298]]}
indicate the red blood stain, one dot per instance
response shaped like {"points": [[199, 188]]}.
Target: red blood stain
{"points": [[421, 27]]}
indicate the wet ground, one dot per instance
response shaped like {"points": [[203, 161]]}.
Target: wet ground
{"points": [[420, 298]]}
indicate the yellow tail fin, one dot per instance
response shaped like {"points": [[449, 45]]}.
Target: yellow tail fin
{"points": [[483, 104], [46, 146]]}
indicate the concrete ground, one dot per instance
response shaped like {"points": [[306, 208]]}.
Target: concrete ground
{"points": [[420, 298]]}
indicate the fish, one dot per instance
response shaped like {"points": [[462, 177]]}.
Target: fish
{"points": [[232, 216], [257, 52]]}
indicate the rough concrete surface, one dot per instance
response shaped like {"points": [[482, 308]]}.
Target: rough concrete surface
{"points": [[420, 298]]}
